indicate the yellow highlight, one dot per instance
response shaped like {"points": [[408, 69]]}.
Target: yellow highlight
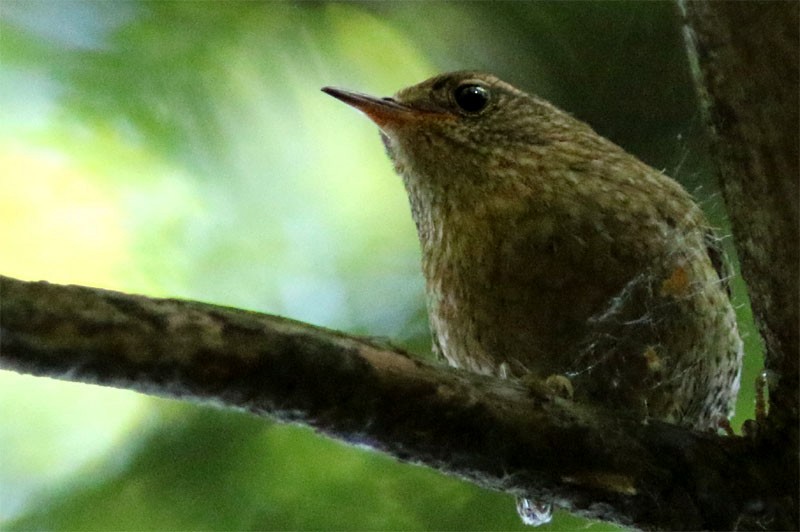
{"points": [[56, 224]]}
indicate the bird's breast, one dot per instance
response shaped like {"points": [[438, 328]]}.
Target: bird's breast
{"points": [[517, 289]]}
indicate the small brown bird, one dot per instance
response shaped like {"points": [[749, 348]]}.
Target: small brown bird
{"points": [[549, 250]]}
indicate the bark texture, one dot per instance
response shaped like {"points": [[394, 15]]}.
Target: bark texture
{"points": [[747, 65], [746, 59], [499, 434]]}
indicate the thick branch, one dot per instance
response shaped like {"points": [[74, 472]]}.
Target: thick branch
{"points": [[496, 433]]}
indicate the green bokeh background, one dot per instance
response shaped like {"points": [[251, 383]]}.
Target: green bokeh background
{"points": [[183, 149]]}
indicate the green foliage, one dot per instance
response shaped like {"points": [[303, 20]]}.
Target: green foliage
{"points": [[183, 149]]}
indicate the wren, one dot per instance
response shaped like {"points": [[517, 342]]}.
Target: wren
{"points": [[549, 250]]}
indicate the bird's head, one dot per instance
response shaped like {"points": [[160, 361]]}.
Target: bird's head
{"points": [[464, 126]]}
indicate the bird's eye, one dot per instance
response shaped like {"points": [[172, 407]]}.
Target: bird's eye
{"points": [[471, 98]]}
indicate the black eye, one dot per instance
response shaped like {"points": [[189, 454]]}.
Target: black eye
{"points": [[472, 98]]}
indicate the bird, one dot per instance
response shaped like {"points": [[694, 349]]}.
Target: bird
{"points": [[549, 251]]}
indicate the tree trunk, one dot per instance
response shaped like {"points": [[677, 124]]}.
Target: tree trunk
{"points": [[746, 59], [747, 68]]}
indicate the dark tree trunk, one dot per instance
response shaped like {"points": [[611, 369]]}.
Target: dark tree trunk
{"points": [[747, 64]]}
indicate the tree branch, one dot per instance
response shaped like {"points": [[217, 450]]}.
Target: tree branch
{"points": [[496, 433]]}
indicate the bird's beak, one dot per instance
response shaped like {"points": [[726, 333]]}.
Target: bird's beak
{"points": [[385, 112]]}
